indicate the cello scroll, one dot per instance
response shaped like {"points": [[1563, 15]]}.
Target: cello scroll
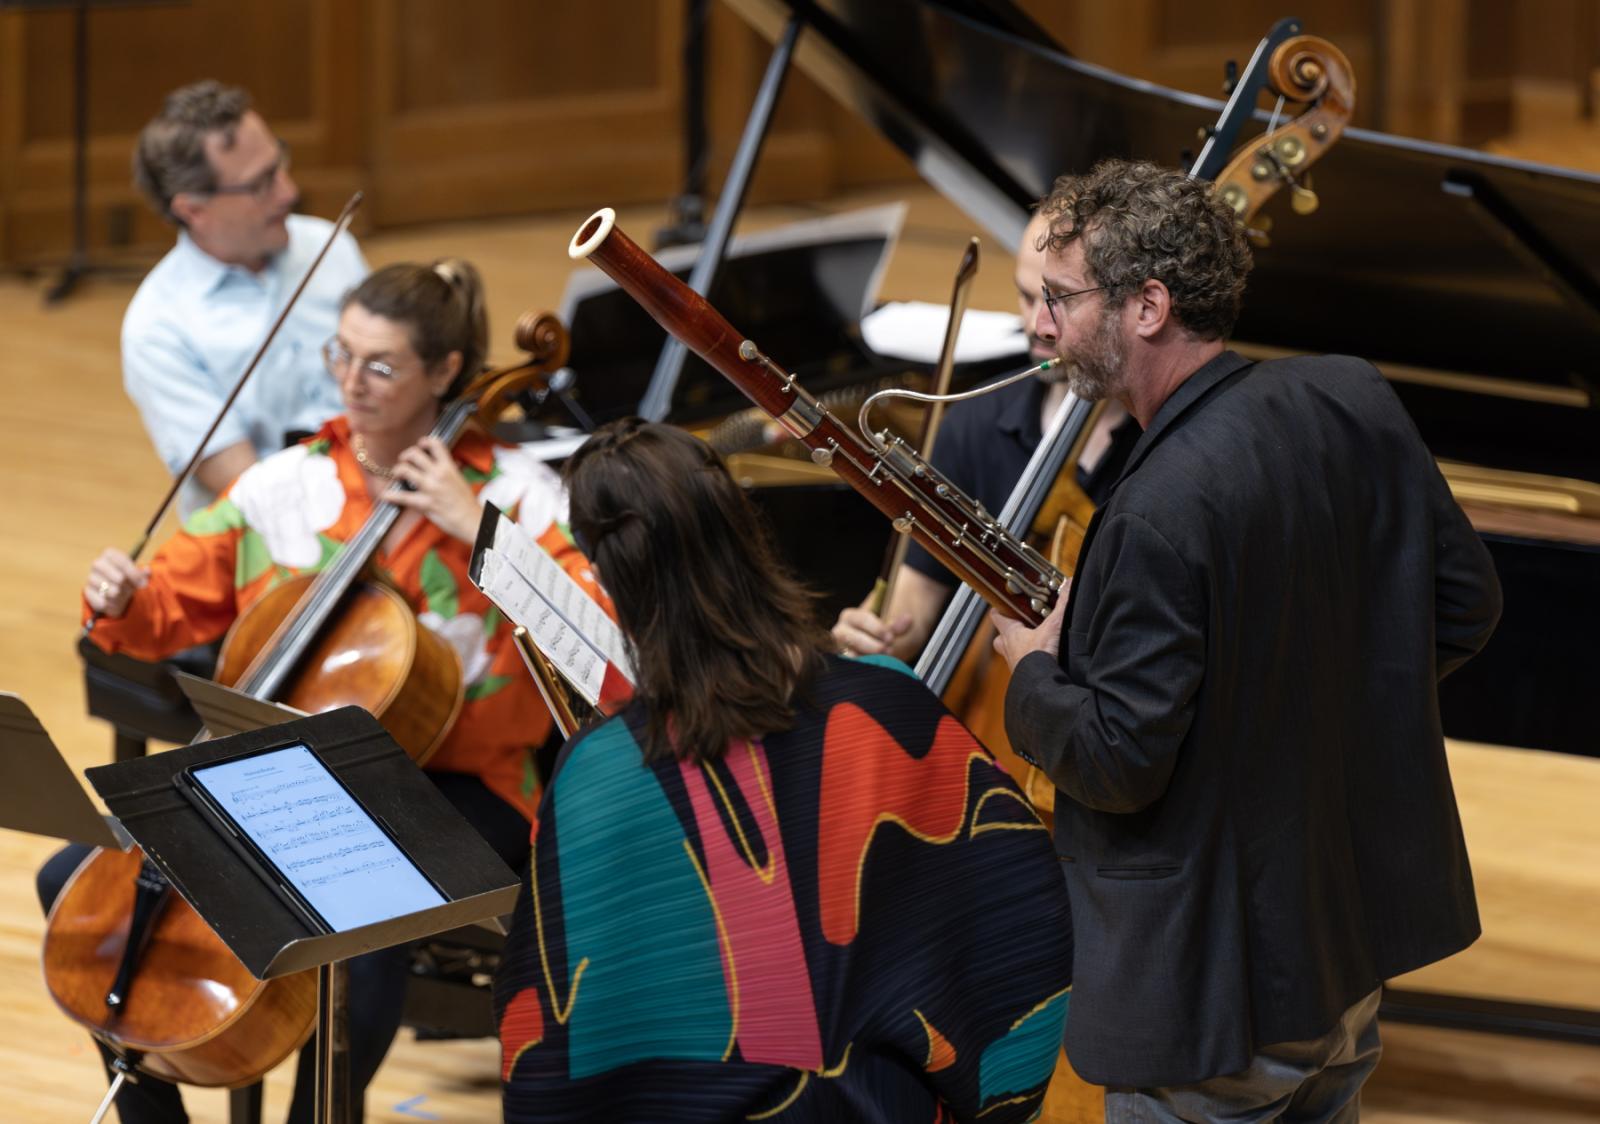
{"points": [[547, 344]]}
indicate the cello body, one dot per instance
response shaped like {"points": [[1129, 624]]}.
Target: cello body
{"points": [[192, 1011], [374, 654]]}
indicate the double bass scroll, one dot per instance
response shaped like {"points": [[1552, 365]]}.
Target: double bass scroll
{"points": [[1305, 69]]}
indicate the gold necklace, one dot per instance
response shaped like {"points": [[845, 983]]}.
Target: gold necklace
{"points": [[358, 445]]}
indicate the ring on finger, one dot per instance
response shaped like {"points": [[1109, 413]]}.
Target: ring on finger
{"points": [[104, 588]]}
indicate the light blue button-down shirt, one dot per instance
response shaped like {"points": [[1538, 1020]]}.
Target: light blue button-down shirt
{"points": [[194, 324]]}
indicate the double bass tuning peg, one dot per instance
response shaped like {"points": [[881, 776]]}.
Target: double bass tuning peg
{"points": [[1260, 234], [1302, 199]]}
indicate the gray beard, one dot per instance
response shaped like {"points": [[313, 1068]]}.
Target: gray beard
{"points": [[1095, 372], [1089, 386]]}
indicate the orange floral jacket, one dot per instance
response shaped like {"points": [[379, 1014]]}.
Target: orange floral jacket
{"points": [[289, 513]]}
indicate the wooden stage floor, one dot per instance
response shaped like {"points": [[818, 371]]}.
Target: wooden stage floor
{"points": [[77, 474]]}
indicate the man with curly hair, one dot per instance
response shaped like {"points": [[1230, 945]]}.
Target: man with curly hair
{"points": [[1237, 702]]}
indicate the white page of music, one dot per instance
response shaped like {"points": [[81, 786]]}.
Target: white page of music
{"points": [[565, 595]]}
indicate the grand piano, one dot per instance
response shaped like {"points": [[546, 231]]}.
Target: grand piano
{"points": [[1469, 279]]}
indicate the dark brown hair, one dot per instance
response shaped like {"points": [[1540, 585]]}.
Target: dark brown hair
{"points": [[1140, 221], [171, 154], [441, 305], [723, 638]]}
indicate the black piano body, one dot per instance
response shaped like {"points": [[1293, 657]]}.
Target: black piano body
{"points": [[1469, 279]]}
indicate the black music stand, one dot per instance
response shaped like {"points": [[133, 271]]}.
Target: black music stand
{"points": [[267, 937], [226, 711], [38, 792]]}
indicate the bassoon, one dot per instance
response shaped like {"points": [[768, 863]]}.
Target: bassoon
{"points": [[897, 480]]}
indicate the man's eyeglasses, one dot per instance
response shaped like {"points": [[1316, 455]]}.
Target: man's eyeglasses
{"points": [[1051, 299], [337, 357], [259, 187]]}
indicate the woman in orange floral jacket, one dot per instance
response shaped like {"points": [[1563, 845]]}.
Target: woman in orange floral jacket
{"points": [[408, 337]]}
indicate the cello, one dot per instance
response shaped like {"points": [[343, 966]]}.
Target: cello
{"points": [[134, 963]]}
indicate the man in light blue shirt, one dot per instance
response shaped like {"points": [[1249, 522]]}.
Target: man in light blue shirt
{"points": [[210, 165]]}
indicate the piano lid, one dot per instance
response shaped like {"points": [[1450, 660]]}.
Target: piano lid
{"points": [[1420, 254]]}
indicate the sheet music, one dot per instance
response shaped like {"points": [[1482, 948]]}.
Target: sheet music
{"points": [[580, 661], [323, 842], [914, 330], [564, 622]]}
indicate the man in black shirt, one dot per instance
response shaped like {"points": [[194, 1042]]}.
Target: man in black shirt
{"points": [[983, 447]]}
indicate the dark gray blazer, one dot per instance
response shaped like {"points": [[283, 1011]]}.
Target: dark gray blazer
{"points": [[1256, 822]]}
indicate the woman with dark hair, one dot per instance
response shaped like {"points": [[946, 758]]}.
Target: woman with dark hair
{"points": [[409, 338], [780, 884]]}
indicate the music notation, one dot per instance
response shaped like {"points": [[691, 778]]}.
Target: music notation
{"points": [[321, 840], [564, 622]]}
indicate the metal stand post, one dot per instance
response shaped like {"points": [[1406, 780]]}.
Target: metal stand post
{"points": [[657, 400], [78, 265], [687, 213], [333, 1045]]}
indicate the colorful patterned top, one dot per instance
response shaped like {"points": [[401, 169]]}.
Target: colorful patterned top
{"points": [[288, 513], [860, 918]]}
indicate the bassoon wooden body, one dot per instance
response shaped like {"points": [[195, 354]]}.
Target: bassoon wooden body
{"points": [[894, 478]]}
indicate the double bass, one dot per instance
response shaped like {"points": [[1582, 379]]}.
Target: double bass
{"points": [[133, 962], [1049, 507]]}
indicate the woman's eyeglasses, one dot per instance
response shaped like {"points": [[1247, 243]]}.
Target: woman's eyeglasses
{"points": [[338, 357]]}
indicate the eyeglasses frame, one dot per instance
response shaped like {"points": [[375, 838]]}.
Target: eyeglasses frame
{"points": [[336, 357], [1050, 299], [259, 186]]}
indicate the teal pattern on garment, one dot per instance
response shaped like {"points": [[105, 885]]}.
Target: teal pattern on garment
{"points": [[887, 661], [1025, 1057], [653, 985]]}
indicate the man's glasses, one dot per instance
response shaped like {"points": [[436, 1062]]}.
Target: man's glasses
{"points": [[338, 357], [259, 187], [1051, 299]]}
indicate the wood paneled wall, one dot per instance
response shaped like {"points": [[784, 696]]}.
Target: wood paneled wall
{"points": [[438, 110], [447, 109]]}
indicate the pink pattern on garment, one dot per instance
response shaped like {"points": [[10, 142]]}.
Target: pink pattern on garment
{"points": [[764, 962]]}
